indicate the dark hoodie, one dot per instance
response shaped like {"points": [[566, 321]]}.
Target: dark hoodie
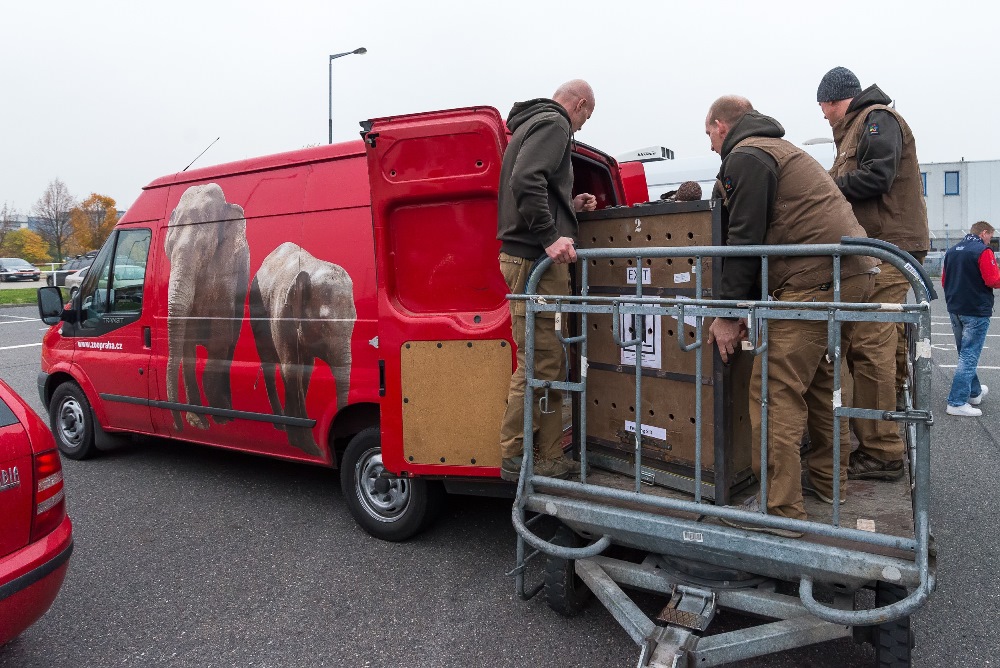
{"points": [[536, 180], [878, 154], [749, 179]]}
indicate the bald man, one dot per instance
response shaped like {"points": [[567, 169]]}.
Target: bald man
{"points": [[536, 216]]}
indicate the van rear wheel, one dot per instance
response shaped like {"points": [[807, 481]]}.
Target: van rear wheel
{"points": [[385, 505], [72, 422]]}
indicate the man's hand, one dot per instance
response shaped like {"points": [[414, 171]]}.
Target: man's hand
{"points": [[727, 334], [562, 251], [584, 202]]}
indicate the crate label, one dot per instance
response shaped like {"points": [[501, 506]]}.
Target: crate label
{"points": [[683, 277], [647, 430], [689, 320], [630, 275], [648, 326]]}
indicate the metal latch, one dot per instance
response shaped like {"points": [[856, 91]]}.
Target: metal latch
{"points": [[909, 416], [689, 607], [647, 476]]}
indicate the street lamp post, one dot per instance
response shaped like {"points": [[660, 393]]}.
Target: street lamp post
{"points": [[333, 57]]}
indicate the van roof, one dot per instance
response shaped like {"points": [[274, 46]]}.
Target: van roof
{"points": [[289, 158]]}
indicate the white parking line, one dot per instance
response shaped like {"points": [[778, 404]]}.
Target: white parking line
{"points": [[948, 366], [18, 322], [26, 345], [950, 334]]}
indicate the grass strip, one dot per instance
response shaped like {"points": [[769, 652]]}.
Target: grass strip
{"points": [[18, 296]]}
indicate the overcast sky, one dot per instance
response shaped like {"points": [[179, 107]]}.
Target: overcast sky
{"points": [[108, 95]]}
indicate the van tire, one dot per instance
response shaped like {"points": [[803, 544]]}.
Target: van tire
{"points": [[71, 421], [386, 506]]}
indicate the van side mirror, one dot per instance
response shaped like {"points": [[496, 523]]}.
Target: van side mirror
{"points": [[50, 305]]}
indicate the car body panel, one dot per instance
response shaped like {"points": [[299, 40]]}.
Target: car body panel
{"points": [[31, 573]]}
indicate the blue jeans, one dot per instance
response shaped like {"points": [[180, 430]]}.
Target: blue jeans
{"points": [[970, 334]]}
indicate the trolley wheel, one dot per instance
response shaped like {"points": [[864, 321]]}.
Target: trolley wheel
{"points": [[564, 590], [893, 641], [386, 506], [72, 422]]}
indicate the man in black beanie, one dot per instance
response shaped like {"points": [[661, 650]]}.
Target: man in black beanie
{"points": [[877, 171]]}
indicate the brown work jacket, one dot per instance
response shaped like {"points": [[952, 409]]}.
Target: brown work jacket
{"points": [[808, 209], [900, 215]]}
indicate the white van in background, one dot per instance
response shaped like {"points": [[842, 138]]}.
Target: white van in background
{"points": [[665, 173]]}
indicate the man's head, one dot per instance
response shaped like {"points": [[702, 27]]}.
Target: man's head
{"points": [[724, 113], [983, 230], [577, 98], [837, 89]]}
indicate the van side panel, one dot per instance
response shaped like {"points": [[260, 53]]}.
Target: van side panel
{"points": [[267, 307]]}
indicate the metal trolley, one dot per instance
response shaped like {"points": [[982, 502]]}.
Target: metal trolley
{"points": [[675, 545]]}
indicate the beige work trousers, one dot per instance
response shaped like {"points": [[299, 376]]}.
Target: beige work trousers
{"points": [[550, 363], [873, 360], [800, 396]]}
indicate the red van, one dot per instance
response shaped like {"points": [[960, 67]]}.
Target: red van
{"points": [[338, 305]]}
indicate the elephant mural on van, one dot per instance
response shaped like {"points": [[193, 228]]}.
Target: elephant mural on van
{"points": [[206, 244], [301, 309]]}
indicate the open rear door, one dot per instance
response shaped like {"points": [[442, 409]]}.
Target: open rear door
{"points": [[444, 326]]}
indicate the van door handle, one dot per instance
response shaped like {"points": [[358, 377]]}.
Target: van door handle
{"points": [[147, 337]]}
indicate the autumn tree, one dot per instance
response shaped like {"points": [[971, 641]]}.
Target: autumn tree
{"points": [[26, 244], [52, 215], [92, 221]]}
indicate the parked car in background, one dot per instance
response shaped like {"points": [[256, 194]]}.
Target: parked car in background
{"points": [[36, 535], [16, 269], [58, 277], [74, 280]]}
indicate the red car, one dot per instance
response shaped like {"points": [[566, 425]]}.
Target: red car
{"points": [[36, 536]]}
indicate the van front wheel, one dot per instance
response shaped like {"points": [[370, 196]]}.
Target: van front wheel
{"points": [[385, 505], [72, 422]]}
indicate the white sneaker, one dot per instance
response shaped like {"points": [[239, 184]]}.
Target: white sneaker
{"points": [[975, 401], [964, 410]]}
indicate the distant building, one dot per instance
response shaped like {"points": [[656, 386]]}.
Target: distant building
{"points": [[957, 195]]}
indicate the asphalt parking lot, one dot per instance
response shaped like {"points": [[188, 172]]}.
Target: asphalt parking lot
{"points": [[189, 556]]}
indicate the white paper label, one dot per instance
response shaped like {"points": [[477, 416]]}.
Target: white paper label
{"points": [[684, 277], [631, 272], [583, 367], [648, 327], [647, 430], [689, 320]]}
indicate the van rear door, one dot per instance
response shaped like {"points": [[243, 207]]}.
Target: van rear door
{"points": [[444, 327]]}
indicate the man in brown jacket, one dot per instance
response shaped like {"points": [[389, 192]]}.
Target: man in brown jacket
{"points": [[775, 193], [877, 170]]}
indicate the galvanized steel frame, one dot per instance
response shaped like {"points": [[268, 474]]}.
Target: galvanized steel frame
{"points": [[589, 511]]}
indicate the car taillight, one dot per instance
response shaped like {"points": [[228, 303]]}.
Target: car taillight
{"points": [[50, 498]]}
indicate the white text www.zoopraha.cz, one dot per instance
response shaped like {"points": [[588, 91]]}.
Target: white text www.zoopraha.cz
{"points": [[99, 345]]}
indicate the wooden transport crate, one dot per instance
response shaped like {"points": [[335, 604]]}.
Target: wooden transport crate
{"points": [[667, 407]]}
